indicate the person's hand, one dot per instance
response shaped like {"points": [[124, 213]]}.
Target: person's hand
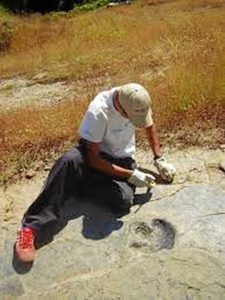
{"points": [[141, 179], [166, 170]]}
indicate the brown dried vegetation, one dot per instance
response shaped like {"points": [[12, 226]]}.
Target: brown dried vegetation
{"points": [[174, 48]]}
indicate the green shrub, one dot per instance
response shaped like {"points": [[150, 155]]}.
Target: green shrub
{"points": [[3, 10]]}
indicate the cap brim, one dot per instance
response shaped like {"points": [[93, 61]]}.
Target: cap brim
{"points": [[142, 121]]}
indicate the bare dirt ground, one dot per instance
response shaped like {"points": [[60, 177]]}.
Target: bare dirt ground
{"points": [[37, 91]]}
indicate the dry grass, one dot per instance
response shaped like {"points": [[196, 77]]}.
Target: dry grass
{"points": [[34, 134], [176, 49]]}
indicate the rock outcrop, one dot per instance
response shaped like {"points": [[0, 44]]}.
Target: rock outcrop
{"points": [[170, 246]]}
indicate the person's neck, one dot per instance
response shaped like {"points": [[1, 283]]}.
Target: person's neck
{"points": [[115, 101], [118, 107]]}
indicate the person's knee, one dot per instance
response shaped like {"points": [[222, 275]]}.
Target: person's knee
{"points": [[72, 157], [128, 198], [125, 196]]}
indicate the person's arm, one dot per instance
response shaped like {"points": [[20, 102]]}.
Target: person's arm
{"points": [[166, 170], [97, 162], [134, 177], [153, 139]]}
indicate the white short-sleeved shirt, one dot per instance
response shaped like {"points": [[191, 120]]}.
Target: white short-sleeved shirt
{"points": [[103, 124]]}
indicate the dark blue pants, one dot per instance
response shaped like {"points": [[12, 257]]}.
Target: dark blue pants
{"points": [[72, 176]]}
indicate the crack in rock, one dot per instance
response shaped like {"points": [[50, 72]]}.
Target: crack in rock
{"points": [[215, 214]]}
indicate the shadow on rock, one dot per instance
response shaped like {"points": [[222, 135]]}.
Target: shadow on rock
{"points": [[98, 221], [97, 225]]}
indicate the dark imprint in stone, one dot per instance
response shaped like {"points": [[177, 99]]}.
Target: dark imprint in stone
{"points": [[160, 234], [166, 233]]}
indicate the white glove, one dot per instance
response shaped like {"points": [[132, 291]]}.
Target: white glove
{"points": [[166, 170], [141, 179]]}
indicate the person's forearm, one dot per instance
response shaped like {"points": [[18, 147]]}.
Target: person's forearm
{"points": [[109, 168], [153, 140]]}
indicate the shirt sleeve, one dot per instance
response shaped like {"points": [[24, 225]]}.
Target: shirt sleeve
{"points": [[93, 126]]}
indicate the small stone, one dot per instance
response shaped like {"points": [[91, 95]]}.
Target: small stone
{"points": [[40, 76], [47, 168], [222, 165], [30, 174], [39, 165], [222, 147], [8, 216]]}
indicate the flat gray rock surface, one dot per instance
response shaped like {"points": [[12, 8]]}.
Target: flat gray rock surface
{"points": [[170, 246]]}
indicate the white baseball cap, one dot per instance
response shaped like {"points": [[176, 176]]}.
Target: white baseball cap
{"points": [[136, 102]]}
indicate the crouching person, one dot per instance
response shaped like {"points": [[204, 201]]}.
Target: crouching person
{"points": [[102, 163]]}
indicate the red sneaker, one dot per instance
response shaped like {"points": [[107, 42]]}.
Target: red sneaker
{"points": [[25, 250]]}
